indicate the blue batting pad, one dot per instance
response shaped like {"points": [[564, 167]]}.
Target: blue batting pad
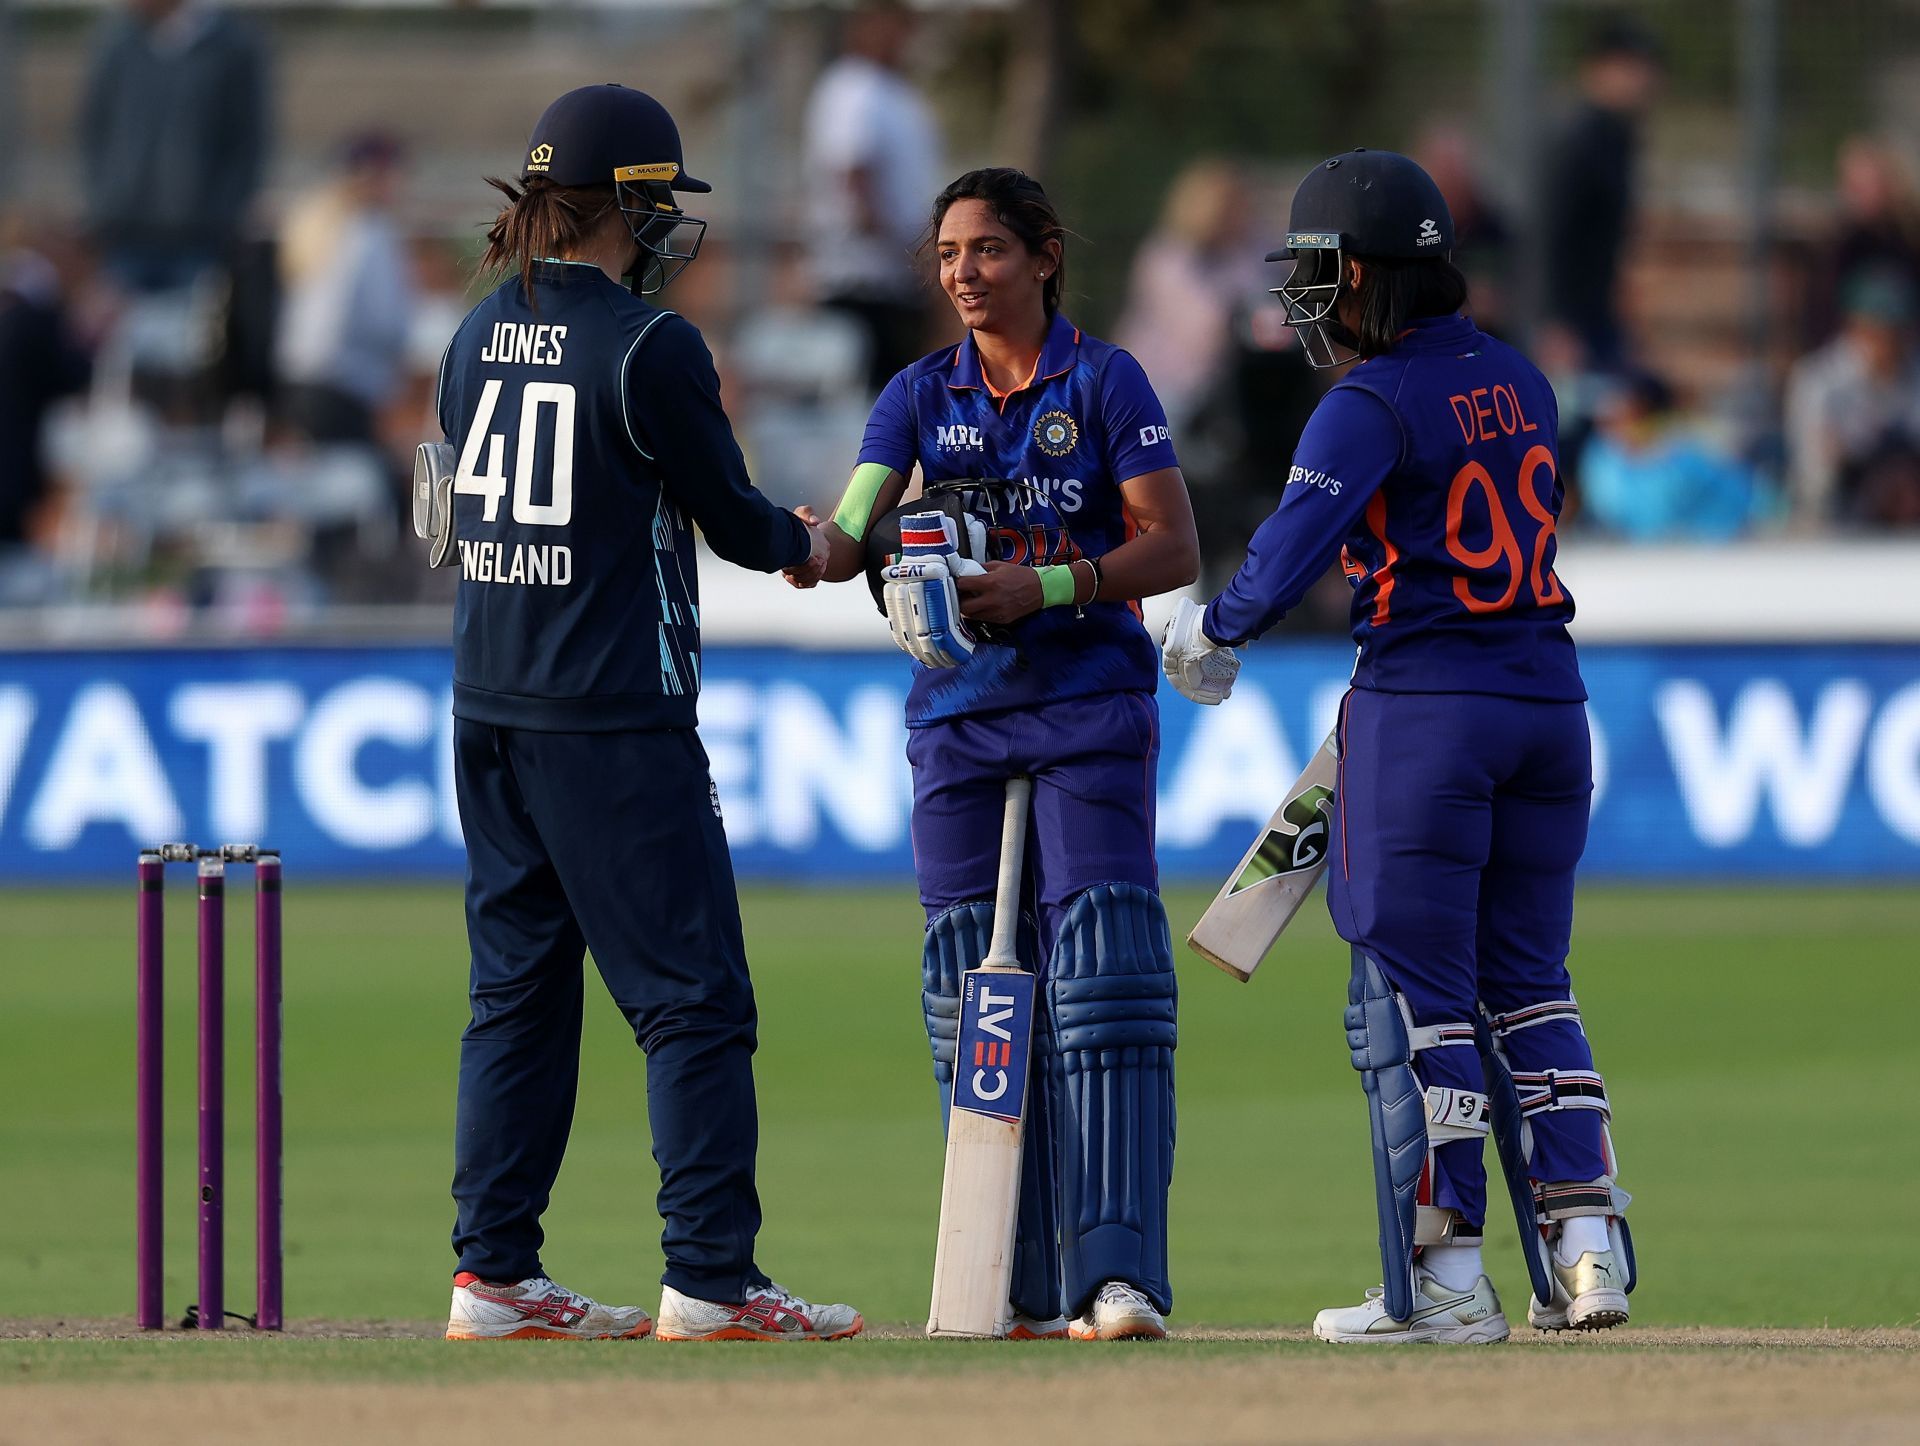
{"points": [[1397, 1112], [1110, 998]]}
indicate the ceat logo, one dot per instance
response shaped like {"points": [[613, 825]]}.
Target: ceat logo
{"points": [[540, 158]]}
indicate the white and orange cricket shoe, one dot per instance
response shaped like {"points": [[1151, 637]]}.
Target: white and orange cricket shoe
{"points": [[769, 1314], [1024, 1327], [1120, 1313], [535, 1309]]}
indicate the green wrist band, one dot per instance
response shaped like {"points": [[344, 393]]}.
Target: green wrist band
{"points": [[1057, 585], [854, 515]]}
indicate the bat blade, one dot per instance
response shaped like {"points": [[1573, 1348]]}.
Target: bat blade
{"points": [[1274, 876], [980, 1195]]}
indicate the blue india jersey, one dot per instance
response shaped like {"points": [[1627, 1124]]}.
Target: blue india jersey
{"points": [[1085, 422], [1433, 473]]}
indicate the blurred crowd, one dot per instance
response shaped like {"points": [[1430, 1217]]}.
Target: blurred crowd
{"points": [[209, 397]]}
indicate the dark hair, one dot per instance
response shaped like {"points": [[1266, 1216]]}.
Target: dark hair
{"points": [[542, 219], [1021, 206], [1393, 292]]}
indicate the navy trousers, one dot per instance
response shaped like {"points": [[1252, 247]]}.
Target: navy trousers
{"points": [[610, 842], [1459, 822]]}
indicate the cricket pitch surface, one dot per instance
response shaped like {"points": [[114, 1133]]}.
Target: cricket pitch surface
{"points": [[101, 1381]]}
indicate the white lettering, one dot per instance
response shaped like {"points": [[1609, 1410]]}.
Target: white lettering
{"points": [[236, 721], [1150, 435], [990, 1018], [811, 765], [16, 719], [1326, 481], [104, 770], [980, 1089], [1763, 751], [325, 763], [1893, 763], [727, 713], [517, 343], [1236, 766]]}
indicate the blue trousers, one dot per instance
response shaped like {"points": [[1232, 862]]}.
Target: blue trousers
{"points": [[1093, 763], [610, 842], [1459, 822]]}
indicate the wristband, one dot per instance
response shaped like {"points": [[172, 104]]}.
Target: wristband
{"points": [[854, 515], [1057, 585]]}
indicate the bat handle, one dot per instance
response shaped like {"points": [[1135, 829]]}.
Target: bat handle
{"points": [[1013, 860]]}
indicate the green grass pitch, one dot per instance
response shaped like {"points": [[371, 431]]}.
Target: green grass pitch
{"points": [[1758, 1044]]}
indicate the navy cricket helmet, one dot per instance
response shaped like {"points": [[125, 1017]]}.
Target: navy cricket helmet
{"points": [[611, 135], [1369, 204]]}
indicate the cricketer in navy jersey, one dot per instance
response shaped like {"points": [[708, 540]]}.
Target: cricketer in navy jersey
{"points": [[1060, 691], [1431, 471], [590, 441]]}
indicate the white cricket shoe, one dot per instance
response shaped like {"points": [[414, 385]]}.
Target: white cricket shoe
{"points": [[1024, 1327], [535, 1309], [1119, 1313], [769, 1314], [1458, 1317], [1588, 1295]]}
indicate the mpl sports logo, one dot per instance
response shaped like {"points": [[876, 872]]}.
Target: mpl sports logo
{"points": [[959, 437], [996, 1032]]}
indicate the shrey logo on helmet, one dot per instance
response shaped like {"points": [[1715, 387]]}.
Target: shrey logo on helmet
{"points": [[1429, 234]]}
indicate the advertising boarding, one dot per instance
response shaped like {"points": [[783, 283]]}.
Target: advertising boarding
{"points": [[1713, 762]]}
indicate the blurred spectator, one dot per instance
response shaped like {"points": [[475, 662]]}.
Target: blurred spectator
{"points": [[1648, 476], [873, 165], [174, 135], [1853, 410], [1482, 240], [40, 362], [1590, 197], [347, 306], [1190, 276], [1877, 229]]}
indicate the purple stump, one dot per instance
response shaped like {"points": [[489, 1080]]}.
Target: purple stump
{"points": [[266, 1084], [150, 974], [212, 871]]}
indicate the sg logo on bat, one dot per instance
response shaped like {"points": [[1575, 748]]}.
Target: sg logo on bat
{"points": [[996, 1030]]}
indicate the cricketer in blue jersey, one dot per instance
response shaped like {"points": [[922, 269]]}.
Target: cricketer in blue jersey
{"points": [[590, 441], [1431, 470], [1031, 660]]}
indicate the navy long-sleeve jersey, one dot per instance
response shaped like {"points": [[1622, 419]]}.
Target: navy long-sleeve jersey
{"points": [[590, 438], [1433, 472]]}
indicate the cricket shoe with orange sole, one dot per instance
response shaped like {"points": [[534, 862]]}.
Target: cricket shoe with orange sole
{"points": [[1119, 1313], [1024, 1327], [768, 1314], [536, 1309]]}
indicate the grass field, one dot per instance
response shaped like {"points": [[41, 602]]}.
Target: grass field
{"points": [[1758, 1046]]}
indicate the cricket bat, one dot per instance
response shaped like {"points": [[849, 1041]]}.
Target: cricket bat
{"points": [[1267, 887], [979, 1198]]}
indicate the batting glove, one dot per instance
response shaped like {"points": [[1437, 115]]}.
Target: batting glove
{"points": [[1195, 664]]}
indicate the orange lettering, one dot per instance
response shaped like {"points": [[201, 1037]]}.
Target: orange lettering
{"points": [[1525, 425], [1503, 546], [1530, 466], [1462, 413], [1481, 413], [1505, 417]]}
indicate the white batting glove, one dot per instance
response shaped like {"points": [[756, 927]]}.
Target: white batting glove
{"points": [[923, 610], [1194, 663]]}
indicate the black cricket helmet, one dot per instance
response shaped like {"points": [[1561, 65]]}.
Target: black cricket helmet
{"points": [[609, 133], [1365, 204]]}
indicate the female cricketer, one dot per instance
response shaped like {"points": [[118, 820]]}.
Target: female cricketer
{"points": [[1465, 772], [590, 438], [1041, 667]]}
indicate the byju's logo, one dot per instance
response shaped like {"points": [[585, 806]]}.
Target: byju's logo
{"points": [[1429, 234]]}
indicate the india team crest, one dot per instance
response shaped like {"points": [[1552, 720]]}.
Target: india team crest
{"points": [[1056, 433]]}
